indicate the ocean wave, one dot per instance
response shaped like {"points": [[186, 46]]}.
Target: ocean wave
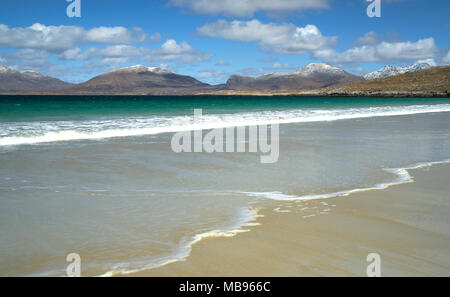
{"points": [[402, 177], [20, 133], [246, 218]]}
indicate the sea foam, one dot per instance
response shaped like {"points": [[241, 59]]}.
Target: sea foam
{"points": [[402, 176], [20, 133]]}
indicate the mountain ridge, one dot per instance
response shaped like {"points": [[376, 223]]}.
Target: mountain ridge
{"points": [[316, 79], [314, 75], [12, 80], [389, 70]]}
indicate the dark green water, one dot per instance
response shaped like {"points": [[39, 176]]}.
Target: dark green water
{"points": [[23, 108]]}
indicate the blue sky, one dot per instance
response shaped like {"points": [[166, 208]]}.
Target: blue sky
{"points": [[211, 39]]}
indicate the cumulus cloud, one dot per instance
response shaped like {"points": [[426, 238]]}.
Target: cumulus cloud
{"points": [[170, 51], [60, 38], [171, 47], [368, 38], [155, 37], [33, 60], [112, 51], [41, 37], [210, 73], [106, 63], [446, 58], [242, 8], [430, 62], [382, 52], [115, 35], [177, 52], [25, 58], [31, 54], [272, 38], [281, 66], [250, 71]]}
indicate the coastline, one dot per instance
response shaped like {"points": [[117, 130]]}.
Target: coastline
{"points": [[406, 224], [302, 93], [339, 154]]}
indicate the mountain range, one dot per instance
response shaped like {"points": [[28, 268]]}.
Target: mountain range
{"points": [[141, 80], [312, 76]]}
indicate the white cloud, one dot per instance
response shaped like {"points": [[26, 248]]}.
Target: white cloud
{"points": [[155, 37], [39, 36], [35, 63], [170, 51], [250, 71], [108, 62], [272, 38], [174, 52], [242, 8], [115, 35], [109, 51], [72, 54], [446, 58], [382, 52], [25, 58], [60, 38], [280, 66], [171, 47], [430, 62], [368, 38], [30, 54], [211, 73]]}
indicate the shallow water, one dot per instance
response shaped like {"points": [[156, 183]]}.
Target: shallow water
{"points": [[97, 175]]}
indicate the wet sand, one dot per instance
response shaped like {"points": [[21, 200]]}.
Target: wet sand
{"points": [[408, 225]]}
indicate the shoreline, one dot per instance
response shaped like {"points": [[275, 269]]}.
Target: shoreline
{"points": [[247, 94], [278, 216], [76, 133]]}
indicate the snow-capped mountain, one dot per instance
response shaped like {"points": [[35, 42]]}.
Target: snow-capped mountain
{"points": [[4, 69], [12, 80], [315, 75], [395, 70], [139, 79], [30, 73], [322, 68], [311, 69], [141, 68]]}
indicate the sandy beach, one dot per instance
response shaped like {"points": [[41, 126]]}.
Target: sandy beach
{"points": [[102, 184], [408, 225]]}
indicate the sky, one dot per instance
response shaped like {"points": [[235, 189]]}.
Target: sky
{"points": [[213, 39]]}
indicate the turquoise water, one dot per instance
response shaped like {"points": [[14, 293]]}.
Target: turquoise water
{"points": [[22, 108], [97, 175]]}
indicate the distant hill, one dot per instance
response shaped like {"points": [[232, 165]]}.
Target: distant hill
{"points": [[312, 80], [312, 76], [428, 82], [12, 81], [139, 80], [433, 82]]}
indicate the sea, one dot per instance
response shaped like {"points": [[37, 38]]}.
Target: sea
{"points": [[98, 176]]}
